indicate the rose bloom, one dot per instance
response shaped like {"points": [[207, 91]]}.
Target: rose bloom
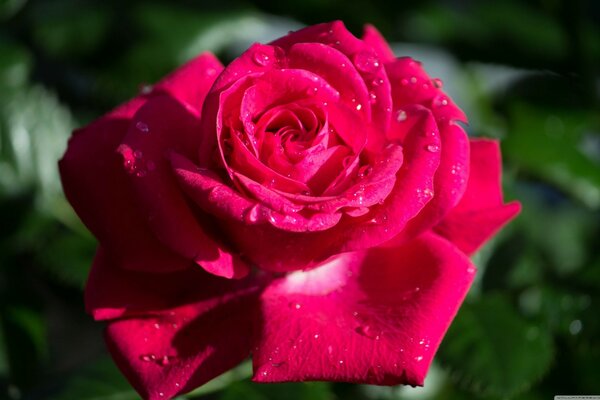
{"points": [[313, 205]]}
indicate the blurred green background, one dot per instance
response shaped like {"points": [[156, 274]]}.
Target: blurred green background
{"points": [[525, 72]]}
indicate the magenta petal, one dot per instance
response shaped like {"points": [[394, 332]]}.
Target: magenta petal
{"points": [[412, 85], [159, 197], [332, 34], [191, 82], [113, 292], [335, 68], [375, 317], [449, 183], [210, 193], [166, 353], [481, 211], [373, 38], [98, 188], [413, 189]]}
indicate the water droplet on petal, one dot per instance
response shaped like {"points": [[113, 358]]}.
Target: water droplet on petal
{"points": [[252, 214], [367, 62], [401, 115], [142, 127], [372, 98], [471, 270], [437, 83], [418, 358], [261, 58], [377, 82], [413, 80], [146, 89], [432, 148], [358, 107]]}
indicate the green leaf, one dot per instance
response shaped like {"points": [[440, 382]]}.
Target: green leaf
{"points": [[491, 350], [15, 64], [99, 381], [34, 128], [63, 30], [548, 144], [276, 391]]}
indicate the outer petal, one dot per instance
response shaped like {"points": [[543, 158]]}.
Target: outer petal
{"points": [[190, 83], [175, 351], [113, 292], [373, 38], [449, 183], [97, 187], [412, 85], [481, 211], [176, 331], [169, 126], [372, 317]]}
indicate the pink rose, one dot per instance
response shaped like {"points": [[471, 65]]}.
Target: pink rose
{"points": [[312, 204]]}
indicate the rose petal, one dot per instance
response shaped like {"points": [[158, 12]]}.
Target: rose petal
{"points": [[411, 85], [190, 83], [97, 186], [157, 192], [412, 191], [333, 34], [208, 191], [166, 353], [449, 182], [336, 69], [373, 38], [372, 317], [113, 292], [481, 211]]}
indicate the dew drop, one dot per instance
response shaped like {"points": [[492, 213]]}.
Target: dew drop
{"points": [[161, 394], [316, 336], [401, 116], [146, 89], [372, 98], [364, 171], [141, 173], [341, 362], [413, 80], [404, 82], [165, 360], [252, 214], [142, 127], [437, 83], [418, 358], [367, 62], [177, 384], [358, 107], [440, 102], [261, 58], [432, 148], [377, 82], [471, 270]]}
